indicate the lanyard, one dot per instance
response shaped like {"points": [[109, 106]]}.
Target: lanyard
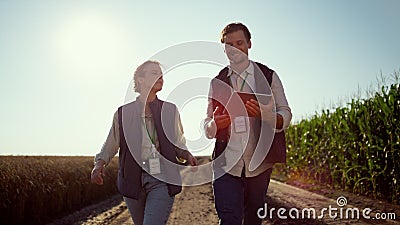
{"points": [[244, 81], [152, 139]]}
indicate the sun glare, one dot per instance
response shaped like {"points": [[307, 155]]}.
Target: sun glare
{"points": [[90, 41]]}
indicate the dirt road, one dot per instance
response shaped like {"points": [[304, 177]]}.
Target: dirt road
{"points": [[195, 206], [286, 204]]}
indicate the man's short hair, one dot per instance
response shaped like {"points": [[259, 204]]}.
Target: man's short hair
{"points": [[233, 27], [140, 72]]}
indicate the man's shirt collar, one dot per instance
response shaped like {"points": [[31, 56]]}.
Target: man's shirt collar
{"points": [[249, 70]]}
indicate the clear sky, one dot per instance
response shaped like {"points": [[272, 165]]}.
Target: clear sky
{"points": [[65, 66]]}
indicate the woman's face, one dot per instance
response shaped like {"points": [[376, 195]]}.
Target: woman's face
{"points": [[152, 78]]}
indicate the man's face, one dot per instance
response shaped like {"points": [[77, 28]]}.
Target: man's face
{"points": [[153, 78], [236, 46]]}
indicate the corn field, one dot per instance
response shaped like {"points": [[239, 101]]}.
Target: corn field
{"points": [[355, 147]]}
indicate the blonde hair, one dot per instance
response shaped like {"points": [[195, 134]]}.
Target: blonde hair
{"points": [[140, 72]]}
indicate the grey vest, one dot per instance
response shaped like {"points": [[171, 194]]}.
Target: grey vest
{"points": [[129, 180]]}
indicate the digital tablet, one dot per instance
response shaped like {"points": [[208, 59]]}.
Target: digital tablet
{"points": [[237, 101], [262, 98]]}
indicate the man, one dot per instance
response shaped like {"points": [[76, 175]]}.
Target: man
{"points": [[247, 145]]}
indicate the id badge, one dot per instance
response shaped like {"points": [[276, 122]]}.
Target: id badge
{"points": [[240, 124], [154, 165]]}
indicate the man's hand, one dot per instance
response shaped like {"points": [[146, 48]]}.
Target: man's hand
{"points": [[253, 108], [268, 112], [98, 172], [265, 112], [222, 121], [261, 111]]}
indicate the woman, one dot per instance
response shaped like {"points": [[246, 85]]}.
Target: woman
{"points": [[149, 136]]}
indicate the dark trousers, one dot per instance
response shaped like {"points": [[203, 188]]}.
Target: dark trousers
{"points": [[237, 199]]}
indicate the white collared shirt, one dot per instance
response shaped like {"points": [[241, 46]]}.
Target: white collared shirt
{"points": [[247, 75]]}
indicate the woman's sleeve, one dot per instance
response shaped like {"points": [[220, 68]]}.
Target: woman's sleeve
{"points": [[180, 142], [111, 145]]}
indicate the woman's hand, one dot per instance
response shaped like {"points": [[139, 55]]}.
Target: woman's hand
{"points": [[98, 172], [187, 158], [191, 159]]}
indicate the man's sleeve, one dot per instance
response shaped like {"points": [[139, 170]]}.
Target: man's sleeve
{"points": [[281, 103]]}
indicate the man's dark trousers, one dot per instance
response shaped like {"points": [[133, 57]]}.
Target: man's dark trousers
{"points": [[237, 199]]}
